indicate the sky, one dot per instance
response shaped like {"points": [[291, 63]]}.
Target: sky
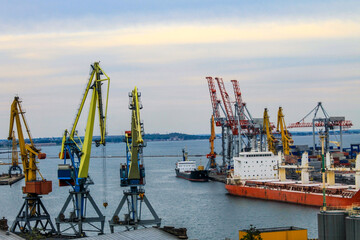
{"points": [[292, 54]]}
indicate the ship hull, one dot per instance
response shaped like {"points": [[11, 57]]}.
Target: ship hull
{"points": [[194, 176], [303, 198]]}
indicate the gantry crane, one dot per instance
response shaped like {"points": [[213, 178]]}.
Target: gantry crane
{"points": [[248, 130], [212, 155], [132, 174], [14, 168], [76, 155], [327, 122], [267, 129], [286, 139], [33, 210], [230, 123]]}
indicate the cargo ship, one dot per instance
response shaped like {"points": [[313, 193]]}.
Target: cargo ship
{"points": [[187, 169], [262, 175]]}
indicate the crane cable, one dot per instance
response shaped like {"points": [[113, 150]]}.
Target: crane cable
{"points": [[105, 203]]}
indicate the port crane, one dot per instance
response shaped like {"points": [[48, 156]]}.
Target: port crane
{"points": [[212, 155], [219, 121], [248, 129], [231, 125], [286, 139], [14, 168], [74, 171], [132, 174], [327, 122], [267, 129], [33, 210]]}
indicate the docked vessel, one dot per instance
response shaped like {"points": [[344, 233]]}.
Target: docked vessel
{"points": [[187, 169], [262, 175]]}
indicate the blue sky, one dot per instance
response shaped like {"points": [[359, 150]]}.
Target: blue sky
{"points": [[284, 53]]}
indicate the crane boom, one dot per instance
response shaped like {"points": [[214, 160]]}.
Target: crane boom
{"points": [[214, 100], [285, 136], [226, 100], [267, 129], [28, 152], [137, 141]]}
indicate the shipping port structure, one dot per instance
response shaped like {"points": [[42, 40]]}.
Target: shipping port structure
{"points": [[262, 175]]}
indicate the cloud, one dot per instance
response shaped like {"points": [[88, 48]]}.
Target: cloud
{"points": [[289, 63]]}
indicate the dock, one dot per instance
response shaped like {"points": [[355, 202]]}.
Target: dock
{"points": [[6, 180]]}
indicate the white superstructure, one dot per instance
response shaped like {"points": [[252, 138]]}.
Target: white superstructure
{"points": [[186, 166], [256, 165]]}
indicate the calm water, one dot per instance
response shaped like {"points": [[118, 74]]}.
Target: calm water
{"points": [[205, 209]]}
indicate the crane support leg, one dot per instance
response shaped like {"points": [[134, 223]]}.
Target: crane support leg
{"points": [[77, 215], [132, 219], [33, 210]]}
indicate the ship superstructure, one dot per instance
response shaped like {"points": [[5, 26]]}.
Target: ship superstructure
{"points": [[262, 175]]}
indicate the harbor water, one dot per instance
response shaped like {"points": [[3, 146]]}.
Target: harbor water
{"points": [[205, 209]]}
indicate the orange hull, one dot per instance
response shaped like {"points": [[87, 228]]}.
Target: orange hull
{"points": [[303, 198]]}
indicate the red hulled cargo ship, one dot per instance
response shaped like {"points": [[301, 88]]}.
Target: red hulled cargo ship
{"points": [[261, 175]]}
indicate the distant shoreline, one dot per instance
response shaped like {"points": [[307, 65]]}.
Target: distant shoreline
{"points": [[4, 143]]}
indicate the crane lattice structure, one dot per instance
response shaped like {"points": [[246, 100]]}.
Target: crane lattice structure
{"points": [[132, 174], [327, 122], [249, 130], [220, 121], [33, 210], [286, 139], [267, 129], [76, 155]]}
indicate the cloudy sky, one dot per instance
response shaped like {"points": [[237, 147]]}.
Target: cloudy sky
{"points": [[284, 53]]}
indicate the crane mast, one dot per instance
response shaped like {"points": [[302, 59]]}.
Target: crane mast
{"points": [[74, 172], [33, 209], [132, 174], [285, 135], [267, 130], [212, 155]]}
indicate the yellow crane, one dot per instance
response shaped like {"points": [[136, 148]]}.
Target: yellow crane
{"points": [[271, 140], [74, 171], [132, 174], [33, 209], [285, 135], [212, 155]]}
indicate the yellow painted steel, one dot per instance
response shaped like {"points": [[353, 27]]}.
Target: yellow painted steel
{"points": [[28, 152], [86, 151], [299, 234], [285, 136], [212, 136], [134, 172], [331, 178], [14, 155], [94, 83], [282, 174], [267, 129]]}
